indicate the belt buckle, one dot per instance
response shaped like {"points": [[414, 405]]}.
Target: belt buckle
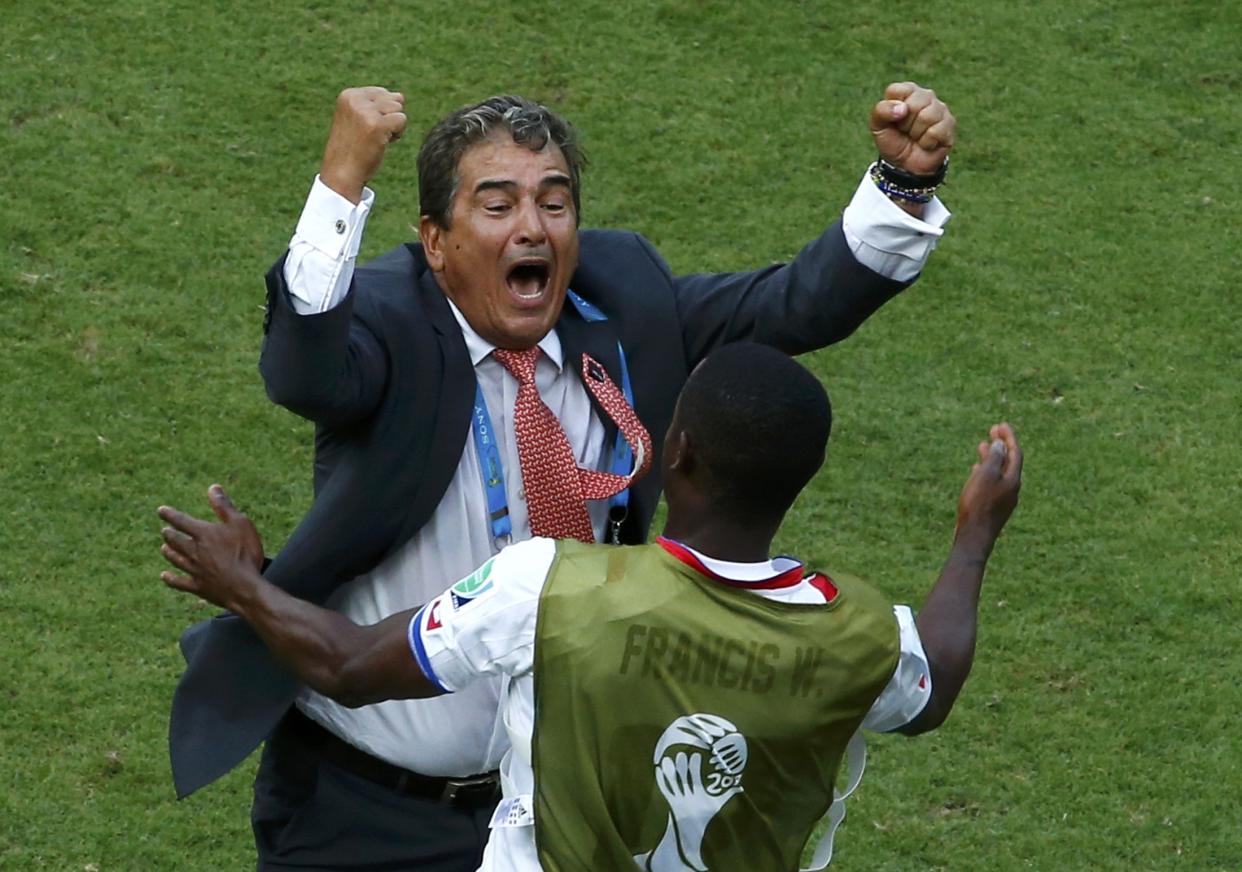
{"points": [[478, 786]]}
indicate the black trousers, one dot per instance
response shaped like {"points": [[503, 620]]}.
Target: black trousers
{"points": [[310, 814]]}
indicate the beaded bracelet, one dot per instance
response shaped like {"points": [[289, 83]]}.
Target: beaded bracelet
{"points": [[896, 182]]}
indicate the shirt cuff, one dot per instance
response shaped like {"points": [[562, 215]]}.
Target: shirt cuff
{"points": [[320, 263], [886, 238], [909, 689], [424, 622], [332, 224]]}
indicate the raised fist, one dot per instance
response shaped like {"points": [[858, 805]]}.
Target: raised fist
{"points": [[366, 120], [912, 128], [991, 492]]}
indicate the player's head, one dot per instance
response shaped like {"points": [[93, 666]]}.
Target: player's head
{"points": [[750, 430]]}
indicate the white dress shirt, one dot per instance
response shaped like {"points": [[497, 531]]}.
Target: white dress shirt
{"points": [[460, 734], [459, 641]]}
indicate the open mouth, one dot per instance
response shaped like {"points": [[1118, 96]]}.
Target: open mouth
{"points": [[528, 279]]}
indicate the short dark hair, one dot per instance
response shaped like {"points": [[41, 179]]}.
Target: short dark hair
{"points": [[759, 422], [529, 123]]}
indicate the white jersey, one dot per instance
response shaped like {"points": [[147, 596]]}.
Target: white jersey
{"points": [[485, 626]]}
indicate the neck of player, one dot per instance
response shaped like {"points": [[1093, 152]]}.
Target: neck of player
{"points": [[721, 538]]}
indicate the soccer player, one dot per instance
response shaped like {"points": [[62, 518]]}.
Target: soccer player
{"points": [[679, 705]]}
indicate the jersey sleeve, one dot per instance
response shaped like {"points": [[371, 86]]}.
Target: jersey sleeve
{"points": [[909, 689], [485, 623]]}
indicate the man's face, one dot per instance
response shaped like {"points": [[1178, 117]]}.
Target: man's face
{"points": [[512, 246]]}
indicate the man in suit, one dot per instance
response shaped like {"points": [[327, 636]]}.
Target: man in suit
{"points": [[421, 466]]}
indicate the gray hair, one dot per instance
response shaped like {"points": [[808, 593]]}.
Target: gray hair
{"points": [[529, 123]]}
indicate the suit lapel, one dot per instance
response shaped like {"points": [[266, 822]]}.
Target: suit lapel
{"points": [[458, 372], [450, 408], [599, 339], [435, 306]]}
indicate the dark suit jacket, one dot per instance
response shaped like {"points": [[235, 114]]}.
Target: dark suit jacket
{"points": [[387, 380]]}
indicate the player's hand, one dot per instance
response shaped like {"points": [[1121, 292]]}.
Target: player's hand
{"points": [[991, 492], [913, 128], [220, 560], [365, 122]]}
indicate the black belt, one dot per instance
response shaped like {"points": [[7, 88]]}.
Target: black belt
{"points": [[474, 790]]}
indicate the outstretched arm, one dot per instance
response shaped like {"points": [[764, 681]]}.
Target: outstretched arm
{"points": [[355, 665], [948, 621], [841, 278]]}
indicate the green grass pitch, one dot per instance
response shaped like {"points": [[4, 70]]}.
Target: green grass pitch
{"points": [[153, 160]]}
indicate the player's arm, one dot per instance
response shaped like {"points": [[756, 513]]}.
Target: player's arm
{"points": [[948, 621], [355, 665]]}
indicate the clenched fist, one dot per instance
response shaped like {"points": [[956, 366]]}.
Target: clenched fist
{"points": [[912, 128], [366, 120], [991, 491]]}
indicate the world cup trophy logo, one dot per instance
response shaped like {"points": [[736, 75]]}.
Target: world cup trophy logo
{"points": [[699, 761]]}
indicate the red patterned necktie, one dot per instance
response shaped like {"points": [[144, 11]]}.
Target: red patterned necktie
{"points": [[556, 487]]}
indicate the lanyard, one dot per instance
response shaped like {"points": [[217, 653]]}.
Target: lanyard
{"points": [[493, 471], [622, 453], [491, 468]]}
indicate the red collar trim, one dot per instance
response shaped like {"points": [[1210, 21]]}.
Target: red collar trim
{"points": [[788, 578], [824, 585]]}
